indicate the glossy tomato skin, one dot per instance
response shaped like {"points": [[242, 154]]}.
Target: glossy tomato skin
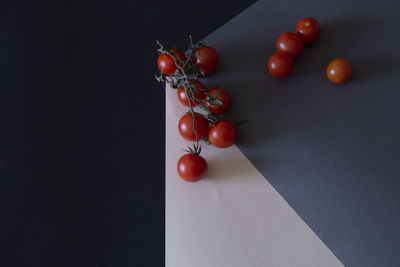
{"points": [[200, 94], [166, 63], [290, 44], [185, 126], [280, 65], [223, 134], [223, 96], [309, 30], [339, 70], [192, 167], [207, 58]]}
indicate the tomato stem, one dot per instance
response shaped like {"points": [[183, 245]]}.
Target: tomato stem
{"points": [[181, 79]]}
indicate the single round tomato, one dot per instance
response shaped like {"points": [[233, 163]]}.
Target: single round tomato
{"points": [[290, 44], [198, 88], [207, 58], [223, 96], [309, 30], [185, 126], [192, 167], [339, 70], [280, 65], [166, 63], [223, 134]]}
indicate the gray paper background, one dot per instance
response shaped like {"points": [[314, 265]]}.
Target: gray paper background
{"points": [[332, 151]]}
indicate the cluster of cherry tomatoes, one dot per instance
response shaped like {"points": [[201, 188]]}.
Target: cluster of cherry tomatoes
{"points": [[183, 71], [290, 46]]}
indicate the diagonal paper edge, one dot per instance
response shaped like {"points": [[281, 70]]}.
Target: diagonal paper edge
{"points": [[234, 217]]}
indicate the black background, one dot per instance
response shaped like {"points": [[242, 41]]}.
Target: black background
{"points": [[82, 127]]}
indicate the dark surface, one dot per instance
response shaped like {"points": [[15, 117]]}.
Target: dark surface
{"points": [[332, 151], [82, 128]]}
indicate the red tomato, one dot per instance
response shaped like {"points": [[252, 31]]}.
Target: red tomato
{"points": [[291, 44], [280, 65], [200, 94], [166, 64], [223, 96], [185, 126], [192, 167], [339, 70], [309, 30], [223, 134], [207, 58]]}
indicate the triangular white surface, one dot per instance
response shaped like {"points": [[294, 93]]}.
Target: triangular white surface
{"points": [[233, 217]]}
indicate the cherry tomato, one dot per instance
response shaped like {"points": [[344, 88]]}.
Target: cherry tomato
{"points": [[309, 30], [280, 65], [223, 134], [291, 44], [166, 63], [223, 96], [200, 94], [339, 70], [185, 126], [207, 58], [192, 167]]}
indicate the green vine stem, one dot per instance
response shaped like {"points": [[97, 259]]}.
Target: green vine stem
{"points": [[181, 79]]}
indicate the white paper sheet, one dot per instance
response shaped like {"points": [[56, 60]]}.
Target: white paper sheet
{"points": [[233, 217]]}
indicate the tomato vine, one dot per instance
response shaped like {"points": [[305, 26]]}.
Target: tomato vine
{"points": [[181, 78], [183, 71]]}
